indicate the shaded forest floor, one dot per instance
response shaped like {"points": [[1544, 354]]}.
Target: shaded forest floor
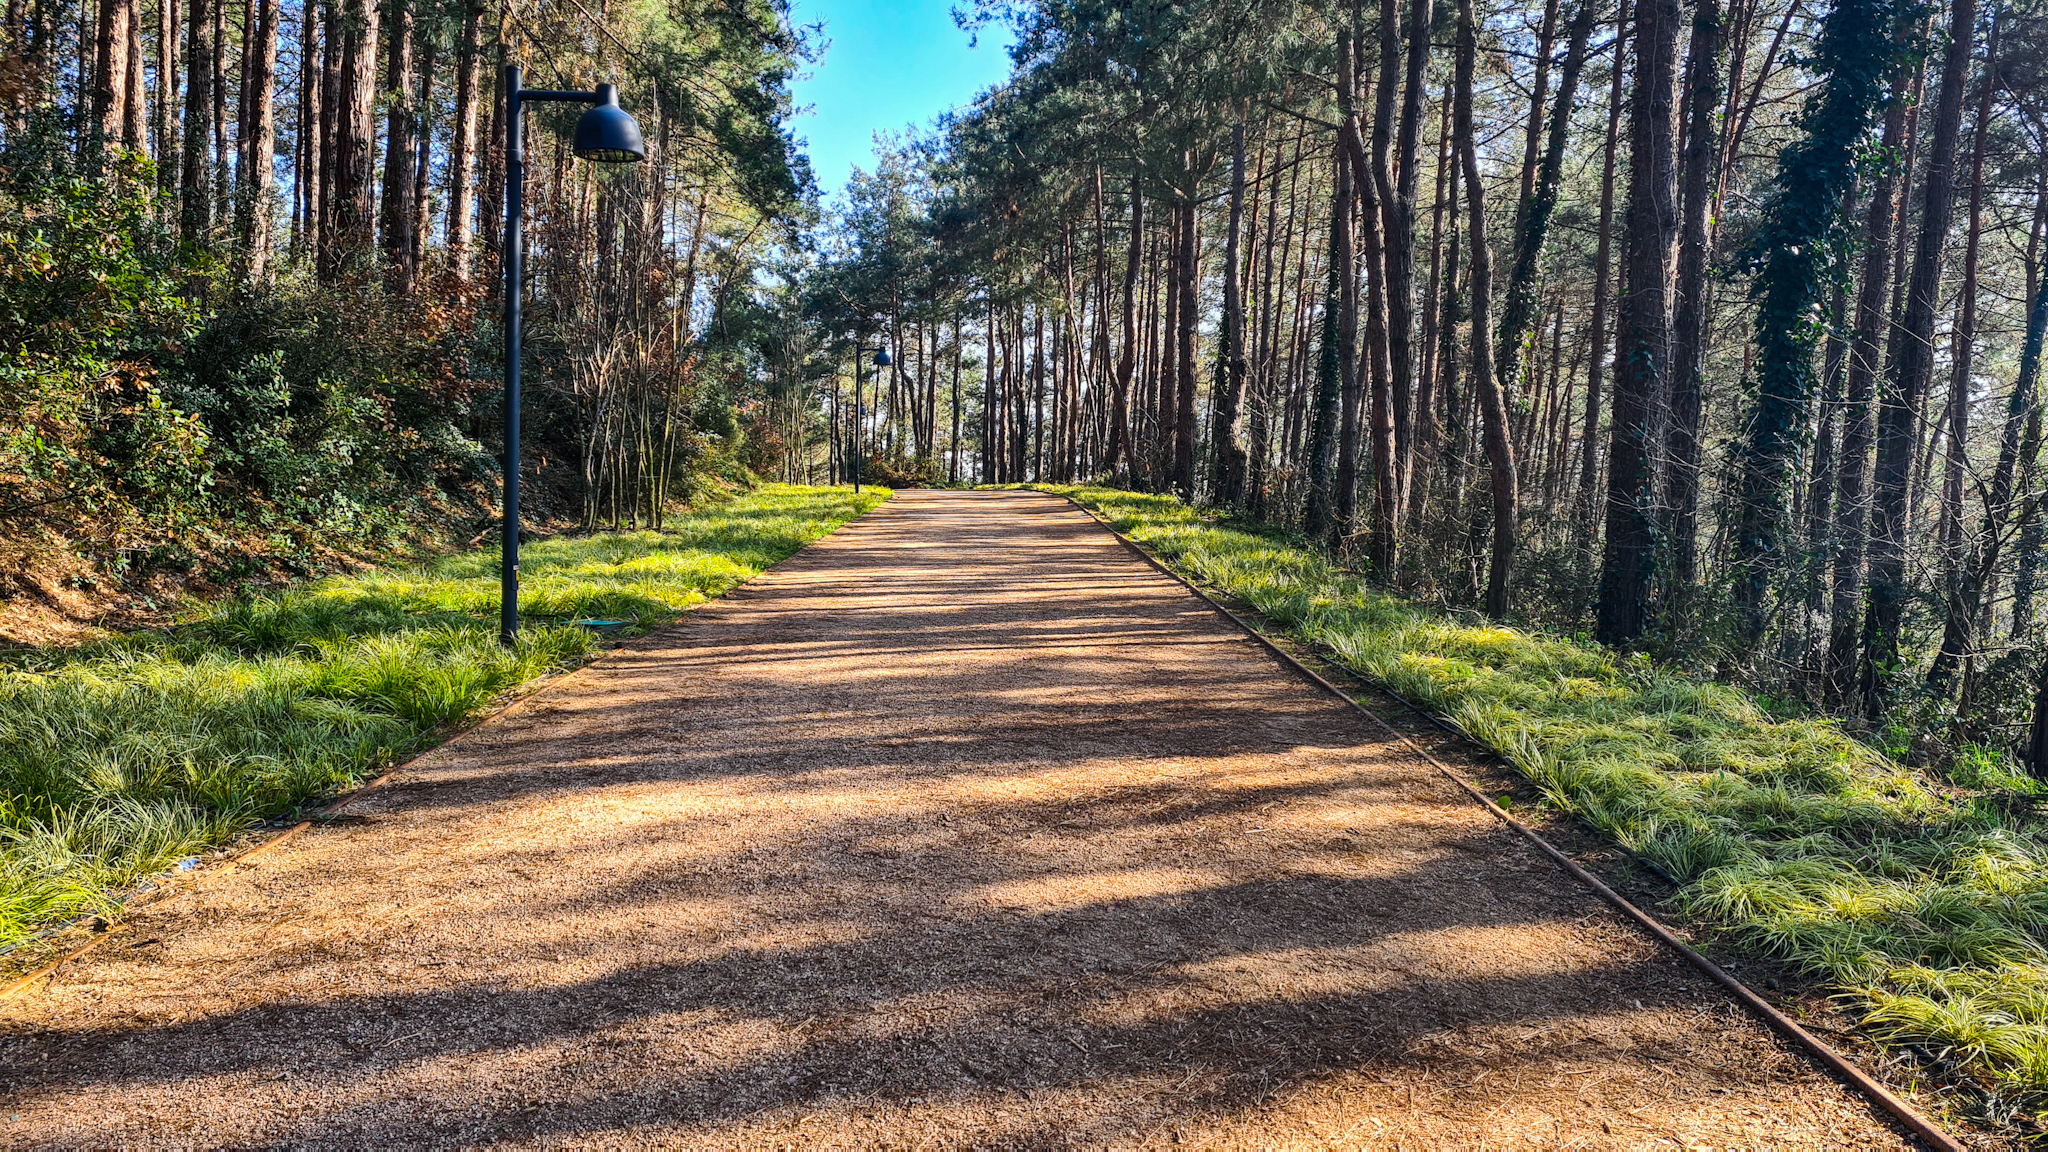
{"points": [[961, 823]]}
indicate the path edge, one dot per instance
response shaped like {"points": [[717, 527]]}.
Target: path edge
{"points": [[515, 699], [1899, 1109]]}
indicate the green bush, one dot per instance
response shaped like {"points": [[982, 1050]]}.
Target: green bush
{"points": [[90, 291], [152, 404]]}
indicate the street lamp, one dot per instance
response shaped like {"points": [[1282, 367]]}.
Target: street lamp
{"points": [[607, 135], [881, 361]]}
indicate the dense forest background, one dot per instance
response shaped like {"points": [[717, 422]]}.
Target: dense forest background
{"points": [[1711, 331]]}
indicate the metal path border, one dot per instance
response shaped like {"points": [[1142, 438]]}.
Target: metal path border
{"points": [[1914, 1120]]}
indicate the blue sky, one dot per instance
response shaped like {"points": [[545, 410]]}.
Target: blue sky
{"points": [[888, 66]]}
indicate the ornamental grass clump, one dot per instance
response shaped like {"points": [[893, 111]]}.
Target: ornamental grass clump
{"points": [[1927, 906], [121, 759]]}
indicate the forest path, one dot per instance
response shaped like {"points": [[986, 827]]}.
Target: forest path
{"points": [[961, 826]]}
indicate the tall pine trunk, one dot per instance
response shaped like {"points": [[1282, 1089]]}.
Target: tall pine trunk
{"points": [[1907, 376], [1863, 363], [1518, 301], [1186, 271], [395, 211], [195, 184], [1965, 564], [1603, 281], [1500, 455], [1121, 447], [1410, 394], [164, 123], [1227, 449], [1319, 512], [1642, 345], [350, 238], [252, 198], [1345, 487], [110, 71], [462, 143], [1689, 313]]}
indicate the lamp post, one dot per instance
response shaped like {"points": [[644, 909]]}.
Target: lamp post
{"points": [[607, 135], [881, 361]]}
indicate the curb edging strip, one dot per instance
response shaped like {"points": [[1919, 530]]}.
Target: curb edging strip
{"points": [[1820, 1050]]}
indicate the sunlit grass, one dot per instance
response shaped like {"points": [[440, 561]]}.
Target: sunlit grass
{"points": [[1926, 905], [119, 760]]}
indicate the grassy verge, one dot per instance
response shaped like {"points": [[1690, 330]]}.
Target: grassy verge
{"points": [[1925, 902], [118, 760]]}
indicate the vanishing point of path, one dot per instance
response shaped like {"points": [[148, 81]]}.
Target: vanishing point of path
{"points": [[963, 826]]}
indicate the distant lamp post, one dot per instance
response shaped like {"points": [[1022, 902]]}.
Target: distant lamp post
{"points": [[607, 135], [881, 361]]}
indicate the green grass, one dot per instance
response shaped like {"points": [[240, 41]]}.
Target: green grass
{"points": [[1925, 903], [120, 759]]}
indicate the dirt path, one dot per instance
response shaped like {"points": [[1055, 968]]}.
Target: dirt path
{"points": [[961, 827]]}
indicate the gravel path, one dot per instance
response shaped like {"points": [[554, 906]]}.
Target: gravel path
{"points": [[962, 826]]}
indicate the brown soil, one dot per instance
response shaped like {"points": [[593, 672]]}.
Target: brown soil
{"points": [[963, 826]]}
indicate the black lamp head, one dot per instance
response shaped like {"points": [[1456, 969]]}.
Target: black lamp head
{"points": [[606, 134], [882, 358]]}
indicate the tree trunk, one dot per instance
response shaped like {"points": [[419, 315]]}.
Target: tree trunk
{"points": [[1319, 513], [418, 224], [1880, 227], [953, 441], [166, 122], [195, 185], [2035, 755], [1966, 565], [462, 140], [990, 419], [1492, 404], [1037, 394], [1907, 376], [1121, 446], [1228, 464], [1374, 179], [2025, 407], [1518, 303], [1689, 316], [1428, 377], [1345, 496], [1186, 269], [134, 111], [259, 149], [490, 201], [1603, 280], [110, 72], [218, 85], [1643, 341], [1164, 374], [351, 238], [1398, 210], [1799, 241], [395, 212], [1532, 127]]}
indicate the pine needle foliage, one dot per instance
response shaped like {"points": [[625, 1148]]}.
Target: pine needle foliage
{"points": [[1925, 902], [118, 760]]}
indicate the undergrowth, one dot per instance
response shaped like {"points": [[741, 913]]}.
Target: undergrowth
{"points": [[1925, 903], [120, 759]]}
